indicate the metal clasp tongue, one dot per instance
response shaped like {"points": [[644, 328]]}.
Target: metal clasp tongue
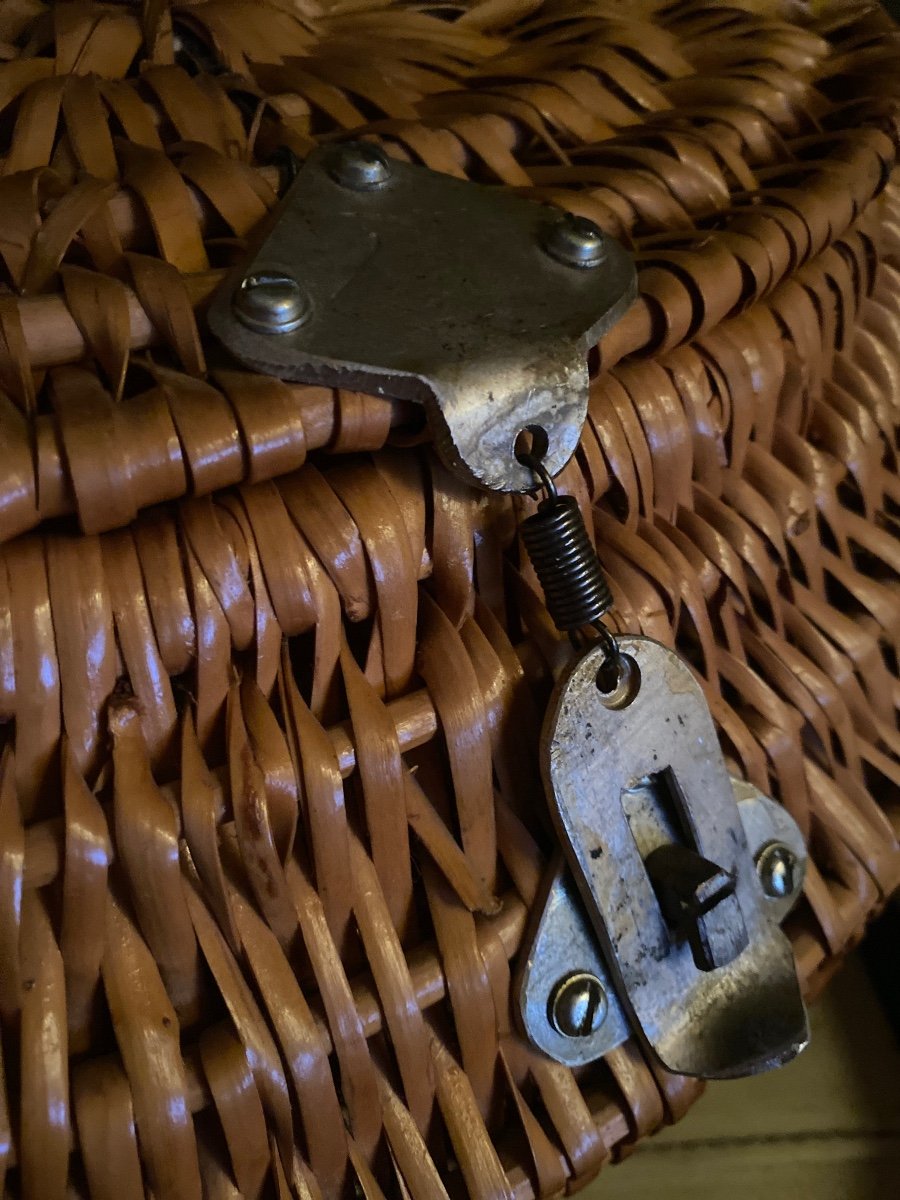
{"points": [[475, 302], [678, 877]]}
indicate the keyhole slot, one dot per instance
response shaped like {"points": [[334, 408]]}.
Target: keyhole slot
{"points": [[657, 813]]}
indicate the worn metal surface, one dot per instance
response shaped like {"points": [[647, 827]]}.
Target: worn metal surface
{"points": [[563, 942], [432, 289], [741, 1017]]}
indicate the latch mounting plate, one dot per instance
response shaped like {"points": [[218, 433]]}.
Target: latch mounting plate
{"points": [[562, 942], [633, 772], [416, 285]]}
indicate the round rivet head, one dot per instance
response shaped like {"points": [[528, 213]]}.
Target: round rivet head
{"points": [[271, 302], [578, 1005], [777, 868], [575, 241], [361, 166]]}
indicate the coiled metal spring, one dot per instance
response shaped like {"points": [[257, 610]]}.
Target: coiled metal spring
{"points": [[575, 589]]}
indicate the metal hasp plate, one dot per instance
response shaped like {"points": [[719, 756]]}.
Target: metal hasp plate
{"points": [[394, 279], [562, 946], [647, 816]]}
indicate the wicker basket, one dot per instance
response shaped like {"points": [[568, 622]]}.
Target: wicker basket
{"points": [[270, 818]]}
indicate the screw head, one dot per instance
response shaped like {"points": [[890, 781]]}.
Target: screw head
{"points": [[578, 1005], [271, 302], [777, 868], [362, 166], [575, 241]]}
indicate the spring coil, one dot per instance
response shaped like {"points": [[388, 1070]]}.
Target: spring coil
{"points": [[575, 589]]}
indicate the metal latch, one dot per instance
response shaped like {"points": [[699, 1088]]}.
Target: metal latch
{"points": [[481, 305], [666, 920], [475, 302]]}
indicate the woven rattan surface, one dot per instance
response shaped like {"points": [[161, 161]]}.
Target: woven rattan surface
{"points": [[270, 818]]}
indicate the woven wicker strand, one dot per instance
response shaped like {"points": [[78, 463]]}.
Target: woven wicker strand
{"points": [[271, 825]]}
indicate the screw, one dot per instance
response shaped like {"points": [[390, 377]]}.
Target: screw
{"points": [[271, 302], [578, 1005], [777, 868], [575, 241], [362, 166]]}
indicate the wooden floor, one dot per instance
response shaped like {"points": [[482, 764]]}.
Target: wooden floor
{"points": [[827, 1127]]}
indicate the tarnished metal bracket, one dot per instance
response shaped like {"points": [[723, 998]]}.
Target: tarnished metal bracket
{"points": [[473, 301], [567, 1000], [682, 920]]}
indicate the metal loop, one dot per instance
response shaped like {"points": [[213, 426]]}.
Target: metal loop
{"points": [[540, 472], [612, 655]]}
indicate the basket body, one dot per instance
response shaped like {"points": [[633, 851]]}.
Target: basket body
{"points": [[271, 679]]}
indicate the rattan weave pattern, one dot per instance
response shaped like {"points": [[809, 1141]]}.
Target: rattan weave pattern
{"points": [[270, 820]]}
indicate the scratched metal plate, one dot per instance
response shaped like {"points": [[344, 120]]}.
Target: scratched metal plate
{"points": [[561, 940], [736, 1019], [436, 290]]}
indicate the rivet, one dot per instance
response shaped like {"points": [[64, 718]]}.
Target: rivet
{"points": [[575, 241], [271, 302], [362, 166], [578, 1005], [776, 865]]}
